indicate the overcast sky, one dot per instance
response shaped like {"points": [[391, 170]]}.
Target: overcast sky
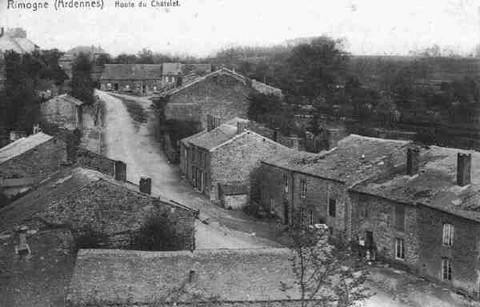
{"points": [[200, 27]]}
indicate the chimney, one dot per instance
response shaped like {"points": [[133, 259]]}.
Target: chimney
{"points": [[146, 185], [413, 155], [191, 276], [276, 132], [464, 166], [241, 126], [210, 122], [120, 171], [22, 248]]}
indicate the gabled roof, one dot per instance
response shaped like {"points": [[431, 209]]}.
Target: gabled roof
{"points": [[132, 72], [65, 98], [355, 159], [22, 145], [65, 185], [141, 278], [258, 86], [172, 69], [18, 44], [210, 139], [435, 185], [213, 138]]}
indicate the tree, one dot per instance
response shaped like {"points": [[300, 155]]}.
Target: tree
{"points": [[327, 272], [21, 103], [145, 56], [82, 83], [316, 68]]}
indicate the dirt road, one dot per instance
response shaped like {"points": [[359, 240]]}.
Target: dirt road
{"points": [[143, 156]]}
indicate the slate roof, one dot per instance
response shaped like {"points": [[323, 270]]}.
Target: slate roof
{"points": [[115, 276], [170, 69], [22, 145], [199, 69], [18, 44], [215, 137], [262, 88], [66, 184], [65, 98], [435, 185], [210, 139], [132, 72], [355, 159]]}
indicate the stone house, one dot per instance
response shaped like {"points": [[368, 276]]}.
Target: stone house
{"points": [[13, 40], [86, 201], [425, 216], [220, 160], [63, 111], [306, 188], [222, 93], [136, 78], [181, 278], [29, 160]]}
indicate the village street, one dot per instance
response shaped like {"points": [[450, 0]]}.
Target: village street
{"points": [[135, 145]]}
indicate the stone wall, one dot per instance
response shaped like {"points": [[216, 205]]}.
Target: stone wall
{"points": [[64, 114], [316, 199], [463, 253], [39, 162], [221, 96], [234, 162], [377, 215], [134, 86], [95, 161]]}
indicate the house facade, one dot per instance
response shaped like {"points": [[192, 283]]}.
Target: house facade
{"points": [[221, 161], [63, 111], [424, 216], [222, 93], [136, 78], [308, 189]]}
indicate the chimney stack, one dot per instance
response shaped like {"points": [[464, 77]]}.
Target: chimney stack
{"points": [[191, 276], [210, 122], [22, 248], [241, 126], [146, 185], [120, 171], [413, 156], [464, 167], [276, 132]]}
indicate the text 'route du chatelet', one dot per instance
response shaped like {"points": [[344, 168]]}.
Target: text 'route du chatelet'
{"points": [[147, 3]]}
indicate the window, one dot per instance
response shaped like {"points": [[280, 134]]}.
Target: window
{"points": [[285, 183], [448, 231], [302, 216], [400, 217], [364, 211], [303, 190], [399, 249], [446, 269], [332, 207], [271, 205], [311, 219]]}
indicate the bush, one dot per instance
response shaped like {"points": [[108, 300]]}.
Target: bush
{"points": [[157, 234]]}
